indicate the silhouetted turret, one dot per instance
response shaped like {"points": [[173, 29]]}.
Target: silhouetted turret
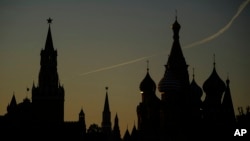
{"points": [[148, 111], [48, 96], [106, 117], [116, 135]]}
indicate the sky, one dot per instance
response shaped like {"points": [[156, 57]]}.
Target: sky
{"points": [[107, 44]]}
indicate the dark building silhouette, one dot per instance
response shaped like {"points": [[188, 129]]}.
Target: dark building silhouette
{"points": [[43, 118], [148, 111], [48, 96], [179, 115]]}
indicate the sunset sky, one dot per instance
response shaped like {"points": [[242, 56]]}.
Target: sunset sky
{"points": [[107, 43]]}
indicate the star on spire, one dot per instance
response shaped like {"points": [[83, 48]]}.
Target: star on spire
{"points": [[49, 20]]}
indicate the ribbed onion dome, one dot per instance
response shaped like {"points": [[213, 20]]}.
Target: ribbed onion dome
{"points": [[196, 89], [214, 83], [147, 84], [169, 82]]}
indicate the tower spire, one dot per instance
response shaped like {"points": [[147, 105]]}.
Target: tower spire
{"points": [[47, 96], [193, 73], [106, 116], [49, 42], [147, 65], [176, 14], [106, 104], [214, 61], [227, 105], [176, 74]]}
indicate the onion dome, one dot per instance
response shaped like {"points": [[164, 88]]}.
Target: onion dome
{"points": [[214, 83], [176, 28], [169, 82], [147, 83], [195, 89]]}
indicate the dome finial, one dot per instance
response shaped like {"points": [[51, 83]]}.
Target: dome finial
{"points": [[227, 81], [214, 60], [193, 73], [176, 14], [147, 65]]}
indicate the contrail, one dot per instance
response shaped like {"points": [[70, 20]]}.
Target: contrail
{"points": [[117, 65], [207, 39], [240, 9]]}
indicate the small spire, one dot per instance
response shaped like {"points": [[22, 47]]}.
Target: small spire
{"points": [[106, 104], [49, 42], [193, 73], [147, 65], [13, 100], [176, 14], [81, 111], [227, 81], [214, 61]]}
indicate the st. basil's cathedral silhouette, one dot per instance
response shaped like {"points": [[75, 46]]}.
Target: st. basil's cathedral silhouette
{"points": [[179, 115]]}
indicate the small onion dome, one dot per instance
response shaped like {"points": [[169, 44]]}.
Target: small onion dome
{"points": [[214, 83], [147, 84], [195, 89], [169, 82]]}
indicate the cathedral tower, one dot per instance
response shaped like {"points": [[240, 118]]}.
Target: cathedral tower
{"points": [[82, 121], [174, 88], [195, 101], [227, 106], [148, 111], [48, 95], [214, 88]]}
